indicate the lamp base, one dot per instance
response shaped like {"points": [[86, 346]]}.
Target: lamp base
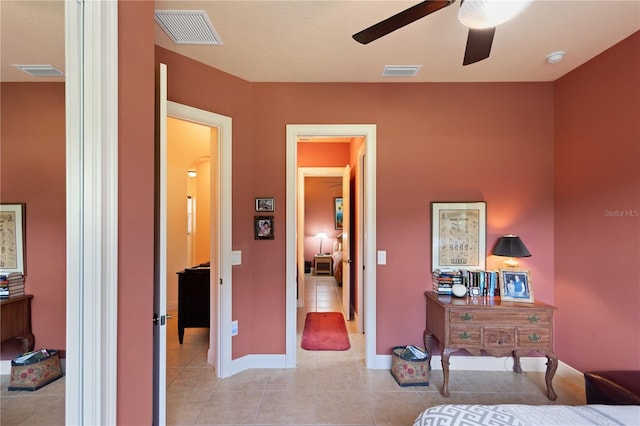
{"points": [[511, 263]]}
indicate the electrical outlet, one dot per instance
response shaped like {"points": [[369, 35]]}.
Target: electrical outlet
{"points": [[234, 328]]}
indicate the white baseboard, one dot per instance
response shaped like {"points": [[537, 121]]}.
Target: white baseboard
{"points": [[257, 361], [474, 363]]}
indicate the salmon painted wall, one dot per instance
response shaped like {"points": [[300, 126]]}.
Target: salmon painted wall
{"points": [[319, 199], [32, 171], [136, 187], [597, 211], [444, 142]]}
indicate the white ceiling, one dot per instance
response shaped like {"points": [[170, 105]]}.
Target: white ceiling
{"points": [[310, 40]]}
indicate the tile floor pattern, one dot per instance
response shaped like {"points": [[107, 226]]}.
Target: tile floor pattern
{"points": [[327, 388]]}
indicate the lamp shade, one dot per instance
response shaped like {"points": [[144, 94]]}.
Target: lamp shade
{"points": [[511, 246]]}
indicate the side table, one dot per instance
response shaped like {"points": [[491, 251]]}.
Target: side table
{"points": [[323, 264]]}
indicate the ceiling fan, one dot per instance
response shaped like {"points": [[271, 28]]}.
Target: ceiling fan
{"points": [[480, 16]]}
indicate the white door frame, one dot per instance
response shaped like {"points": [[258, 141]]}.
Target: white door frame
{"points": [[219, 353], [293, 133], [91, 110]]}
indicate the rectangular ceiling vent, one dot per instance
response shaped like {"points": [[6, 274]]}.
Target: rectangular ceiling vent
{"points": [[40, 70], [188, 27], [401, 70]]}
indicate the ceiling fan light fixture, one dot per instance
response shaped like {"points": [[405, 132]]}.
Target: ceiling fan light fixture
{"points": [[481, 14]]}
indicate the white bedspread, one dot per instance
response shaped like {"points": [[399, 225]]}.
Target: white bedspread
{"points": [[529, 415]]}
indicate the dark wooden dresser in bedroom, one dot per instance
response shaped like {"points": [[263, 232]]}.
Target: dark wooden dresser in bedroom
{"points": [[489, 325], [193, 299]]}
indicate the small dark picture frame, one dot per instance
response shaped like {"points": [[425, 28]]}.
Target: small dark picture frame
{"points": [[263, 226], [516, 285], [266, 204]]}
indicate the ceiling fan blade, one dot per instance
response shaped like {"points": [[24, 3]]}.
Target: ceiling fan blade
{"points": [[399, 20], [478, 45]]}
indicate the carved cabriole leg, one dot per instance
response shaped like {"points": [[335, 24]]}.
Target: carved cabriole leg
{"points": [[552, 366], [28, 342], [445, 370], [516, 362], [426, 337]]}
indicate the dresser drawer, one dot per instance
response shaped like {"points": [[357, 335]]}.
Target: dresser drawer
{"points": [[534, 337], [486, 316], [499, 337], [469, 335]]}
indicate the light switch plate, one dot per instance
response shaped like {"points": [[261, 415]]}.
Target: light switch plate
{"points": [[382, 257], [236, 257]]}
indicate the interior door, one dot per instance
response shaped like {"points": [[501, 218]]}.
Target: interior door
{"points": [[160, 283], [346, 243]]}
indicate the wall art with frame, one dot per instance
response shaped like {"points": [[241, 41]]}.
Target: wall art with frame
{"points": [[458, 235], [338, 213], [263, 226], [265, 204], [516, 285], [12, 238]]}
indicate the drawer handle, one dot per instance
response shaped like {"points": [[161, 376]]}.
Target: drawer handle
{"points": [[466, 317], [534, 338], [534, 319], [464, 335]]}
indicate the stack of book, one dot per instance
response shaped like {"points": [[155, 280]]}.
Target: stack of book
{"points": [[478, 283], [483, 283], [11, 285], [444, 279]]}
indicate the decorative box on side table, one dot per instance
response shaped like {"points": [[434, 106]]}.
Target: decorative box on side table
{"points": [[487, 324], [323, 264]]}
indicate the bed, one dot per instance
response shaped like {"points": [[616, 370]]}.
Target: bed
{"points": [[529, 415], [337, 259]]}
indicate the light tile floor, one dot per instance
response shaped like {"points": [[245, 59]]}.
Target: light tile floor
{"points": [[327, 387]]}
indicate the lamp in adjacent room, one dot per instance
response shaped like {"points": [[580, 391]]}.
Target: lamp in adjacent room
{"points": [[511, 246], [322, 236]]}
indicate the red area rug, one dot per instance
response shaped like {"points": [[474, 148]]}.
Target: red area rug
{"points": [[325, 331]]}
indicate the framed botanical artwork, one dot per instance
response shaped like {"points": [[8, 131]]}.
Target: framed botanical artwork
{"points": [[12, 238], [338, 212], [516, 285], [263, 226], [458, 235], [265, 204]]}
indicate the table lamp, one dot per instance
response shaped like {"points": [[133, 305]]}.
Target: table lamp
{"points": [[322, 236], [511, 246]]}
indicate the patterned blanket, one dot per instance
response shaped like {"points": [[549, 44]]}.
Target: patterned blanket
{"points": [[528, 415]]}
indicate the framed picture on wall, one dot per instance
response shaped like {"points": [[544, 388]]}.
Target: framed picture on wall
{"points": [[263, 226], [515, 285], [266, 204], [458, 235], [12, 238], [338, 212]]}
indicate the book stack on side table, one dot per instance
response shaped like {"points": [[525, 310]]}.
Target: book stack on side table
{"points": [[11, 285]]}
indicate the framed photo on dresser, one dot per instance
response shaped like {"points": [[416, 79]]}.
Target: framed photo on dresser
{"points": [[515, 285]]}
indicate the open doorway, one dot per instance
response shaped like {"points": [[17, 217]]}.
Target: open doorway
{"points": [[296, 133]]}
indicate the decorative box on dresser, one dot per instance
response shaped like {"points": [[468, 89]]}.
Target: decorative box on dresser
{"points": [[490, 325]]}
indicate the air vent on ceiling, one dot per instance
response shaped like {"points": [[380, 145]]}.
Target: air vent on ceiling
{"points": [[188, 27], [40, 70], [401, 70]]}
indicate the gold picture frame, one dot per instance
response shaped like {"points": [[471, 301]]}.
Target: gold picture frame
{"points": [[516, 285], [458, 235], [12, 238]]}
